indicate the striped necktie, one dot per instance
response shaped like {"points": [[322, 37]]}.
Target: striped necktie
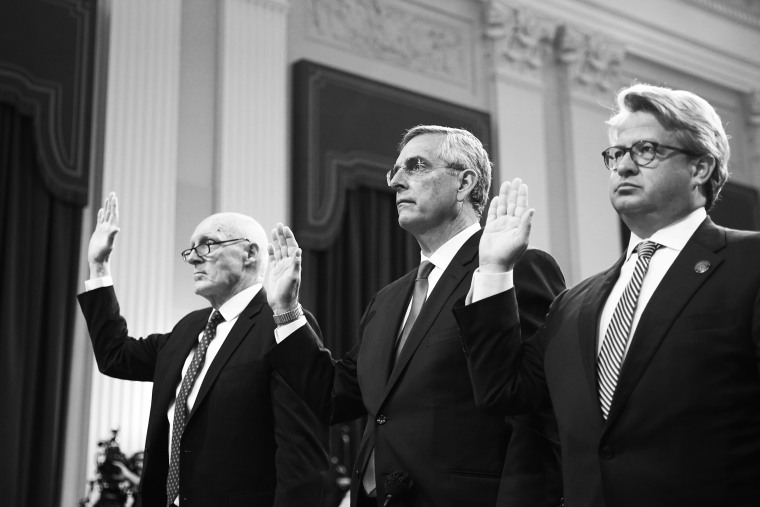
{"points": [[618, 333], [180, 406]]}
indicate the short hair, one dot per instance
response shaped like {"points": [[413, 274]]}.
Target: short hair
{"points": [[693, 120], [461, 150]]}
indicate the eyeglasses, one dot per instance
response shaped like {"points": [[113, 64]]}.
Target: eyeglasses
{"points": [[642, 153], [204, 249], [413, 166]]}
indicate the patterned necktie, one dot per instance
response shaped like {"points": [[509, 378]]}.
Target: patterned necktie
{"points": [[616, 338], [180, 406], [418, 299]]}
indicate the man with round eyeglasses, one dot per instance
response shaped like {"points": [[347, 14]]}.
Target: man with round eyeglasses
{"points": [[653, 365], [407, 372], [224, 427]]}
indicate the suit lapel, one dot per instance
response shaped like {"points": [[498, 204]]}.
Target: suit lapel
{"points": [[458, 269], [588, 323], [673, 293], [185, 341], [378, 341], [238, 332]]}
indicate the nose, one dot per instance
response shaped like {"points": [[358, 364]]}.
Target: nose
{"points": [[194, 258], [398, 182], [626, 166]]}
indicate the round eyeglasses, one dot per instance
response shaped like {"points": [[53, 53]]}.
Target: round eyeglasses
{"points": [[204, 249], [642, 153]]}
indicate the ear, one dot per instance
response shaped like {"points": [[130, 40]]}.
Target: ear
{"points": [[253, 253], [467, 181], [703, 168]]}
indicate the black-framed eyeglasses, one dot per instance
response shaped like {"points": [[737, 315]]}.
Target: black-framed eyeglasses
{"points": [[413, 166], [642, 153], [204, 249]]}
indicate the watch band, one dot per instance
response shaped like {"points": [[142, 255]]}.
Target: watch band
{"points": [[288, 317]]}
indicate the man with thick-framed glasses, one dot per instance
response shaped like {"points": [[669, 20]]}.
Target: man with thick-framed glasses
{"points": [[224, 428], [425, 442], [652, 366]]}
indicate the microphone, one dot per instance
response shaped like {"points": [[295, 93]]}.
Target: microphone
{"points": [[398, 485]]}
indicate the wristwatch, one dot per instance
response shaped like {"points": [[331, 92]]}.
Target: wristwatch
{"points": [[289, 316]]}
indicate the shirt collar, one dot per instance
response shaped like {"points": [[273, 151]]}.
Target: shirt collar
{"points": [[237, 303], [675, 235], [442, 257]]}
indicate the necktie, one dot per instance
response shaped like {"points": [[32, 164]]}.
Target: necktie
{"points": [[617, 335], [180, 406], [418, 299]]}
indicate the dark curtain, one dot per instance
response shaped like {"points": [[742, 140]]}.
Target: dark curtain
{"points": [[39, 258], [370, 252]]}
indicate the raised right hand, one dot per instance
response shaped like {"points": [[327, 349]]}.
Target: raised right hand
{"points": [[102, 240], [505, 236], [283, 277]]}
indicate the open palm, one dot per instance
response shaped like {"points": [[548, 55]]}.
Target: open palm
{"points": [[106, 229], [283, 277], [507, 229]]}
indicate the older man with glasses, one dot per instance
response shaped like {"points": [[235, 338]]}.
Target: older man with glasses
{"points": [[425, 441], [653, 365], [224, 428]]}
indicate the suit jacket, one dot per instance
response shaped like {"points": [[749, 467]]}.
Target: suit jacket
{"points": [[422, 417], [684, 425], [249, 439]]}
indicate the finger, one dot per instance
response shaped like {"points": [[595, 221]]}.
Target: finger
{"points": [[114, 209], [100, 215], [512, 198], [492, 209], [503, 199], [297, 261], [522, 200], [290, 239], [526, 221], [270, 251], [282, 241], [274, 247]]}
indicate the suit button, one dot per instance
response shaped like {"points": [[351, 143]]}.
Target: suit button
{"points": [[381, 419], [607, 452]]}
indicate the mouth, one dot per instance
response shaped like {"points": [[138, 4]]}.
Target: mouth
{"points": [[626, 186], [401, 202]]}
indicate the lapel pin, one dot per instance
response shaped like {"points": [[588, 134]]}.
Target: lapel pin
{"points": [[701, 266]]}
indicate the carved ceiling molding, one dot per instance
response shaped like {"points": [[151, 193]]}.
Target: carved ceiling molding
{"points": [[397, 34], [524, 39], [593, 61], [742, 11]]}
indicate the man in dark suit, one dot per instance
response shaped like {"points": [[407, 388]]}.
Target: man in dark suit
{"points": [[224, 428], [411, 381], [652, 365]]}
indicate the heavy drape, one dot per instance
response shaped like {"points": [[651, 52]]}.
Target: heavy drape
{"points": [[39, 252]]}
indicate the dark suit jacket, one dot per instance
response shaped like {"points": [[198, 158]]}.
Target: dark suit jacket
{"points": [[249, 440], [684, 426], [422, 417]]}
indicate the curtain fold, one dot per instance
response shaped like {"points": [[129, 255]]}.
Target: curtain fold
{"points": [[38, 260]]}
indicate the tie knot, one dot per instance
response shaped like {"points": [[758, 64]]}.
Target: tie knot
{"points": [[646, 249], [424, 270], [215, 320]]}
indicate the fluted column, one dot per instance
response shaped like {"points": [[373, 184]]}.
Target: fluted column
{"points": [[139, 164], [252, 160]]}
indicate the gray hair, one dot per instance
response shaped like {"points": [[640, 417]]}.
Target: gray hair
{"points": [[461, 150]]}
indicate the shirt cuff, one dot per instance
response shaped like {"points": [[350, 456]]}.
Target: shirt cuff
{"points": [[282, 332], [97, 283], [485, 285]]}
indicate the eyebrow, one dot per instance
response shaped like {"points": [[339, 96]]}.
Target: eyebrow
{"points": [[415, 157]]}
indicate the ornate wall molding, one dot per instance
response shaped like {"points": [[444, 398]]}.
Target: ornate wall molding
{"points": [[522, 39], [395, 33], [743, 11], [593, 61]]}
